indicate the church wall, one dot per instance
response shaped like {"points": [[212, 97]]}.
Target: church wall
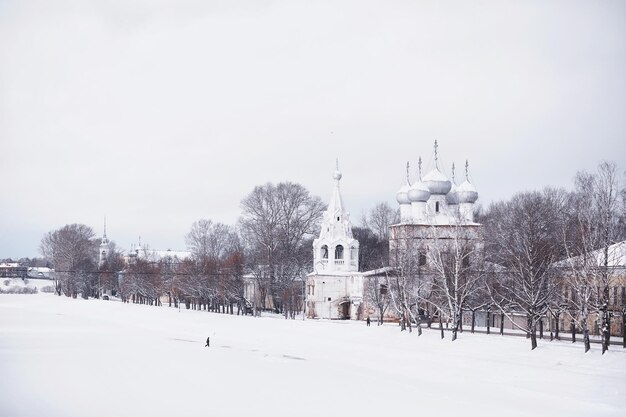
{"points": [[328, 294], [418, 239]]}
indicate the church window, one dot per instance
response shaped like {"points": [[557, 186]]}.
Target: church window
{"points": [[466, 261], [436, 206], [383, 289], [352, 252], [337, 218], [324, 252], [339, 252]]}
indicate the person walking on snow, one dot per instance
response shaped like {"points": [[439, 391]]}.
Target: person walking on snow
{"points": [[207, 342], [368, 321]]}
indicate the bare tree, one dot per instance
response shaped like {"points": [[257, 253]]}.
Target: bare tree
{"points": [[377, 294], [607, 195], [73, 251], [523, 236], [409, 285], [373, 251], [209, 240], [276, 220], [455, 259], [380, 217]]}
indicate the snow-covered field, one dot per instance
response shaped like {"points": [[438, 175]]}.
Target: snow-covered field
{"points": [[65, 357], [7, 284]]}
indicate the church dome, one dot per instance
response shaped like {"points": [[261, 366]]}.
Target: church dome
{"points": [[402, 196], [467, 193], [418, 192], [436, 182], [452, 197]]}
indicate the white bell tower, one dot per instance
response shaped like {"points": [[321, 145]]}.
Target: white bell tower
{"points": [[336, 249], [103, 251]]}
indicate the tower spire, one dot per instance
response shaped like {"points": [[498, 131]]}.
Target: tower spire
{"points": [[419, 168], [467, 170], [105, 228], [407, 173], [436, 155], [337, 173], [453, 179]]}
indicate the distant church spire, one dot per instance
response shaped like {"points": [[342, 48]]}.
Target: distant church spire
{"points": [[104, 245], [453, 169], [467, 170], [436, 155]]}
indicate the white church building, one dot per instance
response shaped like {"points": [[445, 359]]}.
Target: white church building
{"points": [[431, 207]]}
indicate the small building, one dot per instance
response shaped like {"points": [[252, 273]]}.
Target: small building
{"points": [[40, 272], [13, 270]]}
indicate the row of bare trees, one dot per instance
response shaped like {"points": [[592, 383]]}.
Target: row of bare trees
{"points": [[272, 242]]}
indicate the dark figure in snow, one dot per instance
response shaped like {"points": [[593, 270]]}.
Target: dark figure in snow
{"points": [[207, 342], [368, 321]]}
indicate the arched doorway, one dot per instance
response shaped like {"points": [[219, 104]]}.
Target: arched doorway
{"points": [[344, 309]]}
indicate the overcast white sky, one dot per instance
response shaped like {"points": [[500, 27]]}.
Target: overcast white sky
{"points": [[159, 113]]}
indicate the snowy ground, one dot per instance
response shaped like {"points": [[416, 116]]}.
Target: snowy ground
{"points": [[7, 284], [65, 357]]}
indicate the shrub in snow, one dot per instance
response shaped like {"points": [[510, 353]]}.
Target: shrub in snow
{"points": [[19, 290], [7, 282]]}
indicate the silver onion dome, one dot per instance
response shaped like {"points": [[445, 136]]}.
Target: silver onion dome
{"points": [[452, 198], [467, 193], [419, 192], [402, 196], [436, 182]]}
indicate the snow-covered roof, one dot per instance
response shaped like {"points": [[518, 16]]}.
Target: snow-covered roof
{"points": [[440, 219], [40, 272], [616, 258], [380, 271], [156, 255]]}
